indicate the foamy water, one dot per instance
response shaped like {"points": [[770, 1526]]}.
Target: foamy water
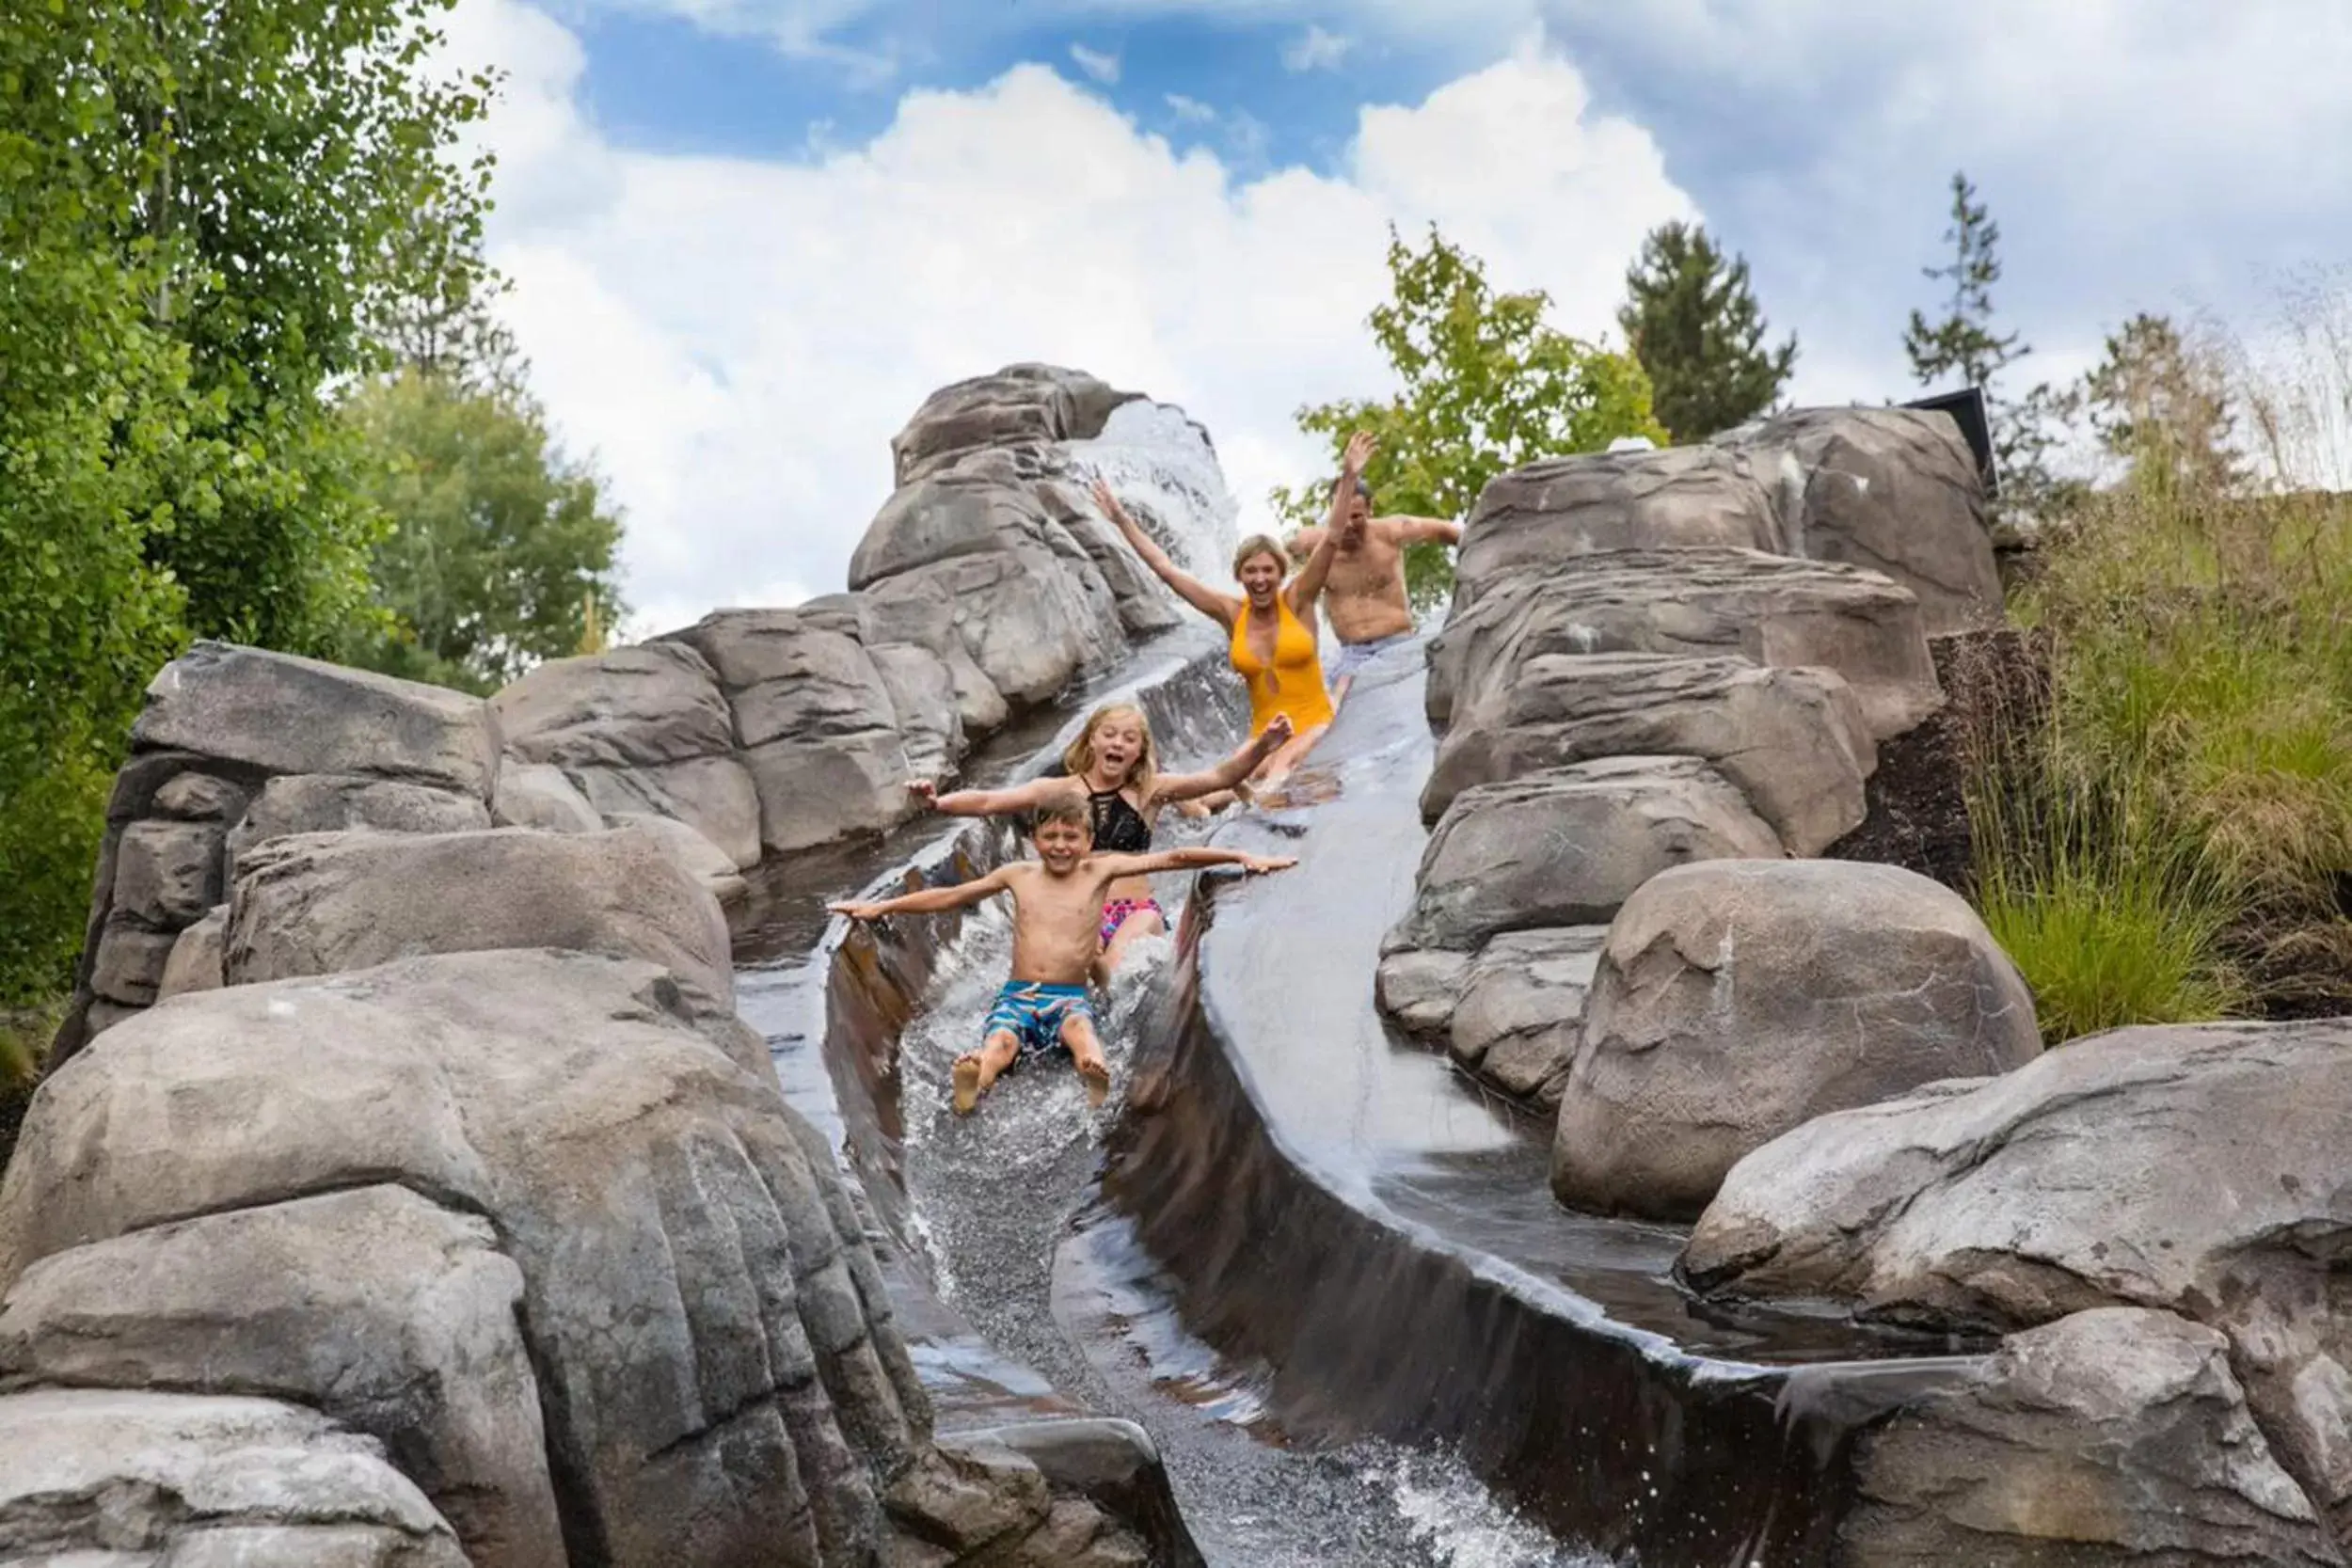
{"points": [[1164, 471]]}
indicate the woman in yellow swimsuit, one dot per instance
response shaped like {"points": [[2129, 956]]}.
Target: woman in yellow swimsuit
{"points": [[1272, 622]]}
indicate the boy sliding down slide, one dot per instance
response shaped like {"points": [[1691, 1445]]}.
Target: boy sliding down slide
{"points": [[1057, 930]]}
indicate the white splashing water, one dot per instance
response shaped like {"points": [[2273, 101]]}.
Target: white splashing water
{"points": [[1163, 469], [1463, 1523]]}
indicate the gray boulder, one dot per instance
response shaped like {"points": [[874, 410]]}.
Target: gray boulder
{"points": [[1521, 1013], [640, 729], [1794, 740], [1019, 403], [1536, 518], [1893, 489], [2189, 1168], [1027, 621], [200, 798], [331, 802], [1567, 846], [819, 731], [923, 694], [1765, 609], [2112, 1436], [537, 795], [322, 904], [919, 620], [129, 963], [103, 1479], [391, 1315], [695, 854], [167, 873], [1737, 999], [715, 1361], [1419, 987], [198, 960], [279, 714]]}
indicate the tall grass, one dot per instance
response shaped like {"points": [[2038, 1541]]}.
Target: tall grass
{"points": [[2168, 841]]}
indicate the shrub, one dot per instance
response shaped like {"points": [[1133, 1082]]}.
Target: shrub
{"points": [[2171, 846]]}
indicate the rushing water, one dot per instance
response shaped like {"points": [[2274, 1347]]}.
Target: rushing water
{"points": [[1164, 472], [1005, 1208]]}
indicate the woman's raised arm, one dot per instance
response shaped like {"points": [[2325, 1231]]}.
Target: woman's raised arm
{"points": [[1198, 595]]}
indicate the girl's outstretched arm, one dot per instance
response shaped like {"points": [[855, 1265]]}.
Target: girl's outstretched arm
{"points": [[1229, 773], [1193, 859], [996, 802]]}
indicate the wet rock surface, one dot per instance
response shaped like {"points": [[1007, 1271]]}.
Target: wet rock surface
{"points": [[1567, 846], [107, 1479], [1765, 609], [1792, 739], [1892, 489], [1736, 1000], [2184, 1168], [2112, 1436], [318, 905]]}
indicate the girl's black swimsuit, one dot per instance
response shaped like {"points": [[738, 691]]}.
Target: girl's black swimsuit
{"points": [[1118, 828]]}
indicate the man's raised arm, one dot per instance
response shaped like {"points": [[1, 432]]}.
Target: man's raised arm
{"points": [[1426, 530]]}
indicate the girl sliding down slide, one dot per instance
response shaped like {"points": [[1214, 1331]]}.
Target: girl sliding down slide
{"points": [[1272, 622], [1114, 774]]}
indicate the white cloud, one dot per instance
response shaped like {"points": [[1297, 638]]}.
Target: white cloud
{"points": [[1103, 67], [737, 339], [1190, 109], [1315, 50]]}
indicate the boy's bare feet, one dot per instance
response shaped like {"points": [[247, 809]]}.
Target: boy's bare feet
{"points": [[1097, 1077], [967, 1081]]}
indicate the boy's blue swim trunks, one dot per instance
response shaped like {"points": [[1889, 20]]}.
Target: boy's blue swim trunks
{"points": [[1033, 1013]]}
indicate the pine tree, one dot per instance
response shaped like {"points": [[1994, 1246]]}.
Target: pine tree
{"points": [[2160, 400], [1693, 324], [1964, 342]]}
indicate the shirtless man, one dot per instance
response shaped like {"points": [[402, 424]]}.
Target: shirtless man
{"points": [[1056, 922], [1365, 596]]}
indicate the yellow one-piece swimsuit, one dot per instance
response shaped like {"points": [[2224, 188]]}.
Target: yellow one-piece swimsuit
{"points": [[1294, 685]]}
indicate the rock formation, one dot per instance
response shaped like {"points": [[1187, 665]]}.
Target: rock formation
{"points": [[2189, 1169], [404, 1190], [1736, 999], [984, 585], [1659, 658]]}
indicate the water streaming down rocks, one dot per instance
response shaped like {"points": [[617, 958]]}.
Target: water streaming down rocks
{"points": [[1303, 1297]]}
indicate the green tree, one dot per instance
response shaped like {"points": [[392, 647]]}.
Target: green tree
{"points": [[1963, 340], [94, 410], [2161, 403], [303, 176], [1693, 322], [1485, 386], [501, 552], [202, 202]]}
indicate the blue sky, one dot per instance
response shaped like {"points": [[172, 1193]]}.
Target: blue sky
{"points": [[747, 235]]}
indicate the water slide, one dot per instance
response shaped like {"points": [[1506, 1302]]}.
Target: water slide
{"points": [[1317, 1262]]}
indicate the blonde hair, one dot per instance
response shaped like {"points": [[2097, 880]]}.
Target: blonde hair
{"points": [[1261, 543], [1144, 775]]}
